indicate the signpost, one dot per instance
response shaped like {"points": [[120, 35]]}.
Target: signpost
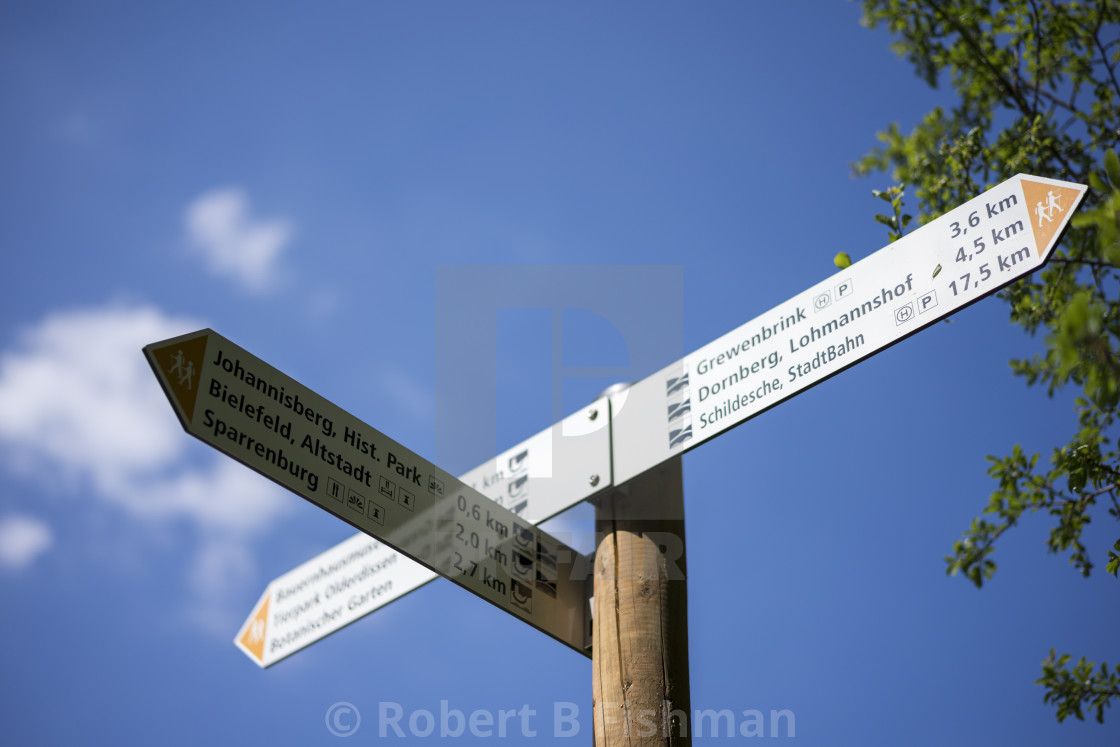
{"points": [[954, 261], [537, 479], [241, 406], [957, 259], [252, 412]]}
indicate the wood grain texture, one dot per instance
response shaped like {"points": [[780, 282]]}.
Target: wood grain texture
{"points": [[640, 638]]}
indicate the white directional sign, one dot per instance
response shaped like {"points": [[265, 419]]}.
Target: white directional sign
{"points": [[966, 254], [537, 479], [326, 593], [252, 412]]}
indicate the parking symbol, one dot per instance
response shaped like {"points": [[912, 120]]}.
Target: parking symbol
{"points": [[904, 314], [927, 302], [844, 289]]}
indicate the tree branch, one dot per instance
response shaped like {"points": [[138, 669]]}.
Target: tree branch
{"points": [[1037, 23], [1104, 58], [1094, 263], [993, 72]]}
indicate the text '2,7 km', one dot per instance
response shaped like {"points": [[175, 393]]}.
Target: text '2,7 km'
{"points": [[266, 420]]}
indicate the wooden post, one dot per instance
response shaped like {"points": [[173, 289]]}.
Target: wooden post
{"points": [[640, 628]]}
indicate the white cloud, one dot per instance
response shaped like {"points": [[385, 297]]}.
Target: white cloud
{"points": [[233, 243], [79, 394], [79, 401], [23, 539], [78, 398]]}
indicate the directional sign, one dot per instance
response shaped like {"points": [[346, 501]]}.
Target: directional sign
{"points": [[963, 256], [252, 412], [537, 479], [324, 594]]}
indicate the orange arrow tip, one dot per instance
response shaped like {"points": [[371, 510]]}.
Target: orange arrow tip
{"points": [[253, 635], [1050, 207]]}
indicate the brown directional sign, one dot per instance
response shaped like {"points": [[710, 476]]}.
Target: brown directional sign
{"points": [[250, 411]]}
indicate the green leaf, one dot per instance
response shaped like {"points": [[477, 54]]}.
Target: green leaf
{"points": [[1112, 167], [842, 260], [1076, 480], [1018, 75]]}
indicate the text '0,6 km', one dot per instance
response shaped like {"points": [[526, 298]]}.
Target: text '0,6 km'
{"points": [[966, 254], [266, 420]]}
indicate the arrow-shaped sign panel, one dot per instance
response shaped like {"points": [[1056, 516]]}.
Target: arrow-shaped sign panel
{"points": [[249, 410], [326, 593], [957, 259], [537, 479]]}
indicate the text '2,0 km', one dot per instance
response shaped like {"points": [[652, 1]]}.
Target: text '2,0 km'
{"points": [[266, 420]]}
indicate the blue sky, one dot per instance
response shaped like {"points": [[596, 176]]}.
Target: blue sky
{"points": [[295, 175]]}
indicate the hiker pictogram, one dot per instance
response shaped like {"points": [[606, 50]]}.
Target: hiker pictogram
{"points": [[1045, 212], [186, 373]]}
